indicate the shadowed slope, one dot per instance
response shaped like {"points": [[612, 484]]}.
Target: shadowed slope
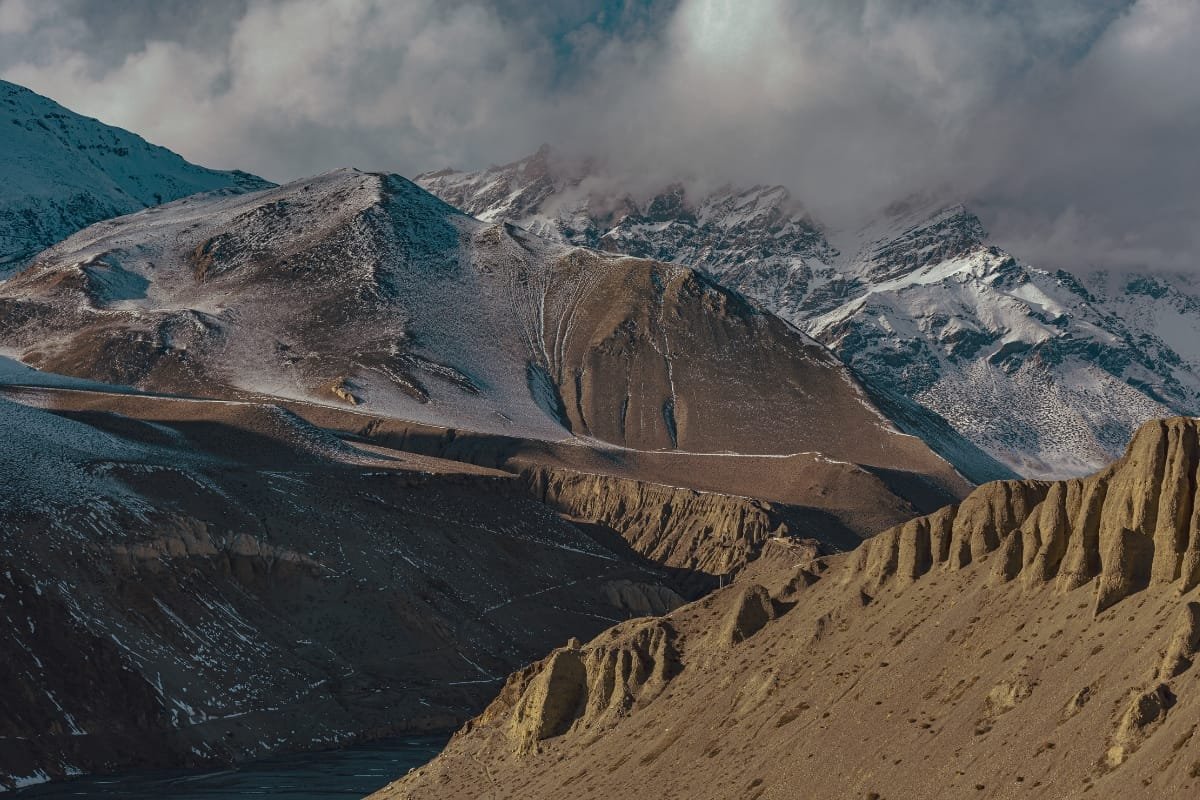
{"points": [[227, 581]]}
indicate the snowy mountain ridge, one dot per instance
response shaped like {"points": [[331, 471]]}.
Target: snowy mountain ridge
{"points": [[1047, 372], [62, 171], [362, 289]]}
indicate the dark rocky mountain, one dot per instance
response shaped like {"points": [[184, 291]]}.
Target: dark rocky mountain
{"points": [[194, 583]]}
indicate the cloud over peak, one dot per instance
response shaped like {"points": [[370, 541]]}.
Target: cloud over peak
{"points": [[1070, 125]]}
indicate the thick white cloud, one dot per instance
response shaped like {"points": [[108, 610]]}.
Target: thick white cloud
{"points": [[1071, 125], [315, 84]]}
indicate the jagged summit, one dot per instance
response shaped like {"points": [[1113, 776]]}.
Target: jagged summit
{"points": [[1046, 372], [63, 171], [752, 239]]}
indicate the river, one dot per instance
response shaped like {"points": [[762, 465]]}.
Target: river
{"points": [[353, 772]]}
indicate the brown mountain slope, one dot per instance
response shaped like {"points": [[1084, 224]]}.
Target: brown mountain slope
{"points": [[845, 501], [364, 292], [705, 532], [1036, 641]]}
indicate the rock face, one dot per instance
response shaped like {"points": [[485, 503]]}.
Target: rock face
{"points": [[1038, 640], [1185, 642], [63, 172], [1133, 525], [578, 688], [1044, 371], [696, 531], [753, 608]]}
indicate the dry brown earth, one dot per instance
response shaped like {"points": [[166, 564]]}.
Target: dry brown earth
{"points": [[1036, 641]]}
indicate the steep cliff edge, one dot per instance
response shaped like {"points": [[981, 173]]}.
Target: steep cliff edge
{"points": [[1037, 640], [700, 532]]}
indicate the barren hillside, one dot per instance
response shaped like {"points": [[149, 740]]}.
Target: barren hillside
{"points": [[1035, 641]]}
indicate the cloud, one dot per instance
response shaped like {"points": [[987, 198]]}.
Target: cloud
{"points": [[1070, 125], [311, 85]]}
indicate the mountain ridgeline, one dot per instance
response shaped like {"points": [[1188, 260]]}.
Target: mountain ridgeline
{"points": [[1002, 367], [364, 291], [62, 172]]}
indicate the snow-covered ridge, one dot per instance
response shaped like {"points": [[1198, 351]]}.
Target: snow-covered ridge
{"points": [[60, 172], [362, 289], [758, 241], [1045, 371]]}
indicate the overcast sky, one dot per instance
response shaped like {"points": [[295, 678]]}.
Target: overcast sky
{"points": [[1071, 125]]}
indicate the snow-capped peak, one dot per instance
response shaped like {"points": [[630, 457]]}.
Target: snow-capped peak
{"points": [[1045, 371], [62, 171]]}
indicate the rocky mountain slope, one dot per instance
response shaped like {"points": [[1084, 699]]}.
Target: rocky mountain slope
{"points": [[363, 291], [61, 172], [1057, 370], [1046, 372], [292, 467], [194, 582], [1037, 640]]}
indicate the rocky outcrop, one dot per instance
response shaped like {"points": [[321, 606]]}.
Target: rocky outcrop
{"points": [[952, 537], [640, 599], [1146, 710], [1185, 642], [578, 687], [700, 531], [551, 701], [343, 390], [753, 608], [1135, 524], [241, 555]]}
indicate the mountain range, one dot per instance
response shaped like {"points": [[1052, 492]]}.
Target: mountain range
{"points": [[1045, 371], [680, 492], [241, 420]]}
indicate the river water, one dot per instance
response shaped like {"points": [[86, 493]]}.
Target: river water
{"points": [[350, 773]]}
